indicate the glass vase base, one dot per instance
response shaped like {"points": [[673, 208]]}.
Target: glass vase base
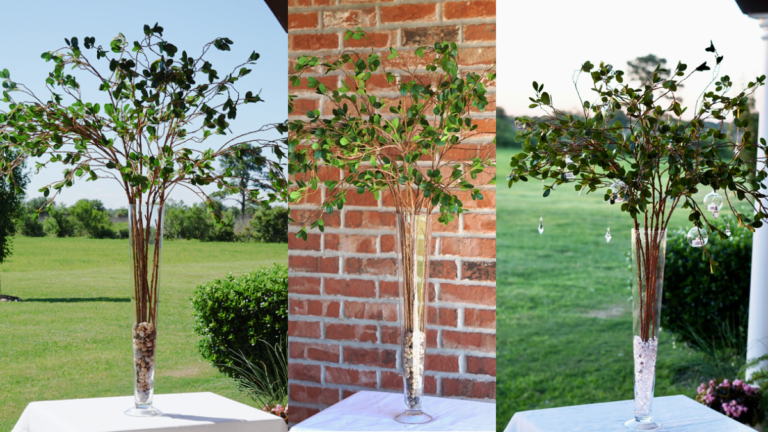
{"points": [[642, 425], [143, 412], [419, 418]]}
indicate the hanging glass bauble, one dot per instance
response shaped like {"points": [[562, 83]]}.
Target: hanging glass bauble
{"points": [[728, 229], [541, 225], [568, 174], [618, 189], [608, 236], [713, 202], [697, 237]]}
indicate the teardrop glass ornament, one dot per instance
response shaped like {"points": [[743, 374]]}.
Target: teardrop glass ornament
{"points": [[541, 225], [728, 229], [608, 236]]}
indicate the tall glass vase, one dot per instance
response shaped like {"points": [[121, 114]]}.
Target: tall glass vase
{"points": [[648, 252], [413, 249], [145, 224]]}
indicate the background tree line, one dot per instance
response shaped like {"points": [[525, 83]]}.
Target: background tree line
{"points": [[182, 222]]}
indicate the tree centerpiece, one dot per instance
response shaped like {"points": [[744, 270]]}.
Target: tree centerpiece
{"points": [[403, 148], [144, 130], [649, 166]]}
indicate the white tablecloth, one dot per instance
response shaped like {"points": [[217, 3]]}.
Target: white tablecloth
{"points": [[375, 411], [675, 413], [187, 412]]}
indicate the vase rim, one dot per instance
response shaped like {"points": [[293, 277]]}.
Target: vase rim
{"points": [[642, 230]]}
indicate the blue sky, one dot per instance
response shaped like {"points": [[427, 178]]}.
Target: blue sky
{"points": [[546, 40], [31, 28]]}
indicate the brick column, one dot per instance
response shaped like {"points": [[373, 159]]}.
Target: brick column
{"points": [[343, 289]]}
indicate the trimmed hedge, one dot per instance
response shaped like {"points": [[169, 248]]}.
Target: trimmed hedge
{"points": [[234, 313], [705, 303]]}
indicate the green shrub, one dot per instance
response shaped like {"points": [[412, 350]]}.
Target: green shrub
{"points": [[93, 218], [61, 222], [223, 231], [232, 315], [122, 231], [697, 303], [269, 226], [30, 225], [186, 222], [51, 227]]}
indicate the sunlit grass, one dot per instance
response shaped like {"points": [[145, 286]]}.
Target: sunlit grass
{"points": [[564, 319], [71, 337]]}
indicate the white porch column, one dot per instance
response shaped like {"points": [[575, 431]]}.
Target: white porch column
{"points": [[757, 333]]}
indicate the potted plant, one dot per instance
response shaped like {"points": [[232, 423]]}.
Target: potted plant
{"points": [[156, 108], [649, 165], [402, 148]]}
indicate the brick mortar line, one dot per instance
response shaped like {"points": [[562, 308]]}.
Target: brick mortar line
{"points": [[394, 26], [386, 209], [386, 278], [379, 323], [397, 25], [330, 253], [441, 304], [353, 344], [365, 368], [382, 232], [368, 4], [387, 255], [299, 91]]}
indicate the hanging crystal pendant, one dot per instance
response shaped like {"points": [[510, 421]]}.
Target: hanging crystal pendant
{"points": [[541, 225], [608, 236], [728, 229]]}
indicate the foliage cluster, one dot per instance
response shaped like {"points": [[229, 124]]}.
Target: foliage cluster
{"points": [[403, 145], [658, 161], [234, 315], [11, 206], [268, 226], [697, 303]]}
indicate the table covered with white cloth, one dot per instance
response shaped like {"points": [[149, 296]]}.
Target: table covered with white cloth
{"points": [[186, 412], [675, 413], [375, 411]]}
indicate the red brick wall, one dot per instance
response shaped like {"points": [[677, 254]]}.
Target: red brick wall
{"points": [[343, 331]]}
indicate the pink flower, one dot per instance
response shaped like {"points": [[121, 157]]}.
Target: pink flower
{"points": [[266, 408], [278, 409], [733, 409], [738, 383], [725, 384]]}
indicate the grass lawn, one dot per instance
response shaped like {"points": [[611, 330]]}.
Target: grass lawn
{"points": [[71, 338], [564, 319]]}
